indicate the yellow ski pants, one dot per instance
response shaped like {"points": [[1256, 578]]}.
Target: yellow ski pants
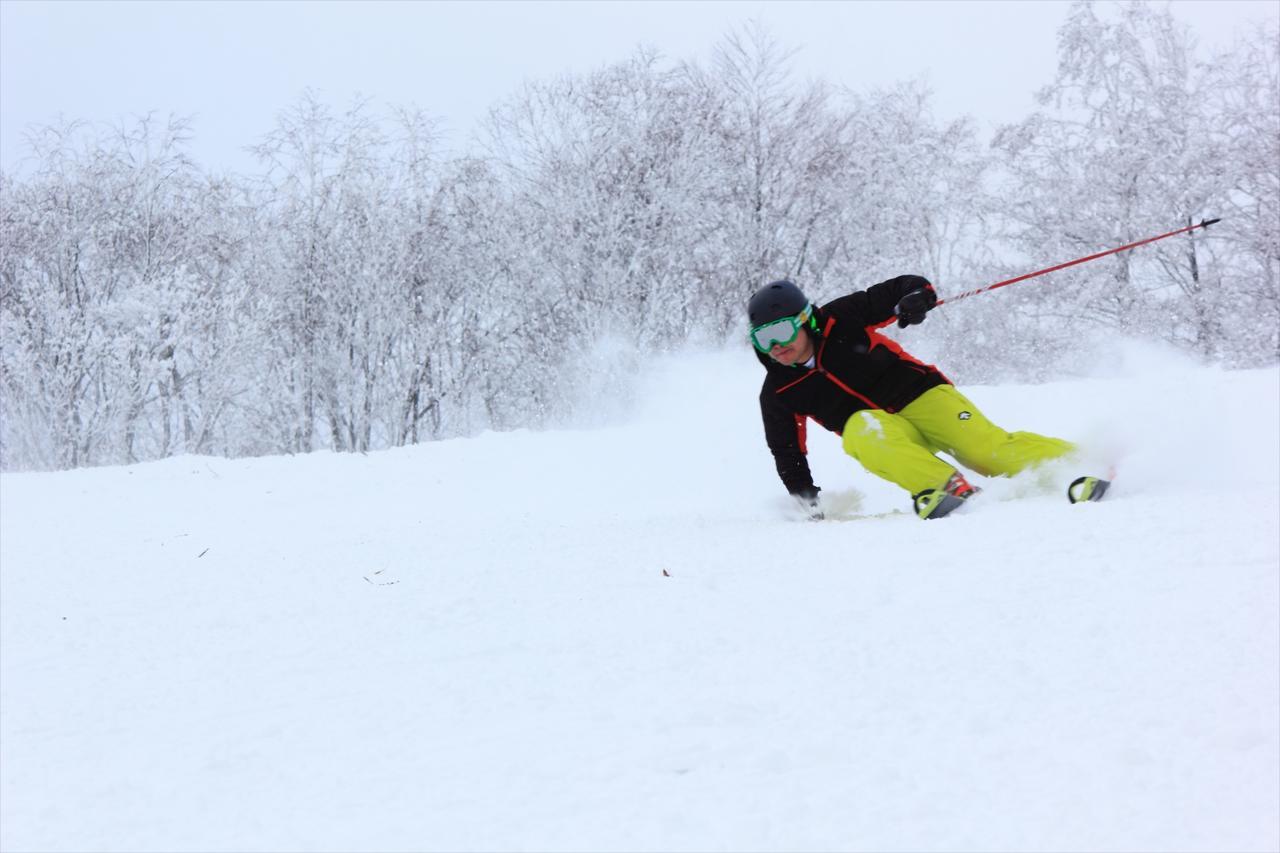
{"points": [[901, 447]]}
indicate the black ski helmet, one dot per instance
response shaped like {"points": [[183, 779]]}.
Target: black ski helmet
{"points": [[775, 301]]}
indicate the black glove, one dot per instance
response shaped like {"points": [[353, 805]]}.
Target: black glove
{"points": [[808, 501], [912, 307]]}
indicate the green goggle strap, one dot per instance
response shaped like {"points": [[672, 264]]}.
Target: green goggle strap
{"points": [[807, 317]]}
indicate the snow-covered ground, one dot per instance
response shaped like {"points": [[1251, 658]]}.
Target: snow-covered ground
{"points": [[625, 639]]}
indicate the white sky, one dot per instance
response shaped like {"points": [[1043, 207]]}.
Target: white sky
{"points": [[232, 66]]}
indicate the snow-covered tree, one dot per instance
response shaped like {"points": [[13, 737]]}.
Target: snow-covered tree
{"points": [[1120, 150], [783, 146], [1244, 122], [100, 250], [329, 201]]}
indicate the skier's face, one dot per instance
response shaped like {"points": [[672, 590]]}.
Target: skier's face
{"points": [[797, 352]]}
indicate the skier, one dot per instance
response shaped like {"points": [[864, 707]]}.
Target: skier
{"points": [[893, 412]]}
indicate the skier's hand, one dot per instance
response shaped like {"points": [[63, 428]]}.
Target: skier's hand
{"points": [[809, 505], [912, 307]]}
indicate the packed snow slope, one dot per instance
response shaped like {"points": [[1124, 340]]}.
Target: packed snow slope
{"points": [[626, 639]]}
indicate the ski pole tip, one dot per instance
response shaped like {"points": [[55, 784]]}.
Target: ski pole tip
{"points": [[1205, 223]]}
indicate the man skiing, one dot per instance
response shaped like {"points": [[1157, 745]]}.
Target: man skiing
{"points": [[893, 412]]}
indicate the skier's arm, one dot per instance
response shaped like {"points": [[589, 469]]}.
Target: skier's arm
{"points": [[784, 433], [879, 304]]}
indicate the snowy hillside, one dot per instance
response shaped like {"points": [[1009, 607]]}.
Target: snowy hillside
{"points": [[625, 639]]}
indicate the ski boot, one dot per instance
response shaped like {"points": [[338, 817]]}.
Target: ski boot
{"points": [[1087, 489], [935, 503]]}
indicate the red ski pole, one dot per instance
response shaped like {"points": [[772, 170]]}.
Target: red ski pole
{"points": [[1204, 223]]}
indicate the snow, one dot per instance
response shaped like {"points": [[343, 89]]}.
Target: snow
{"points": [[870, 424], [628, 638]]}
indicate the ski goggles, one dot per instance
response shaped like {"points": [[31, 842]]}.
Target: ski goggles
{"points": [[779, 332]]}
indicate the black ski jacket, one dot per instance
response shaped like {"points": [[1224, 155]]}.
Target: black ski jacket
{"points": [[855, 368]]}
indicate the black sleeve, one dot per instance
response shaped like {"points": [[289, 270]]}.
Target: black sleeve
{"points": [[782, 431], [876, 305]]}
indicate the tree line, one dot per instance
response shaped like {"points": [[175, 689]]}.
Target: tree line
{"points": [[367, 288]]}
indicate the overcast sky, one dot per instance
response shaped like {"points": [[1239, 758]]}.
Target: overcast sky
{"points": [[232, 66]]}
